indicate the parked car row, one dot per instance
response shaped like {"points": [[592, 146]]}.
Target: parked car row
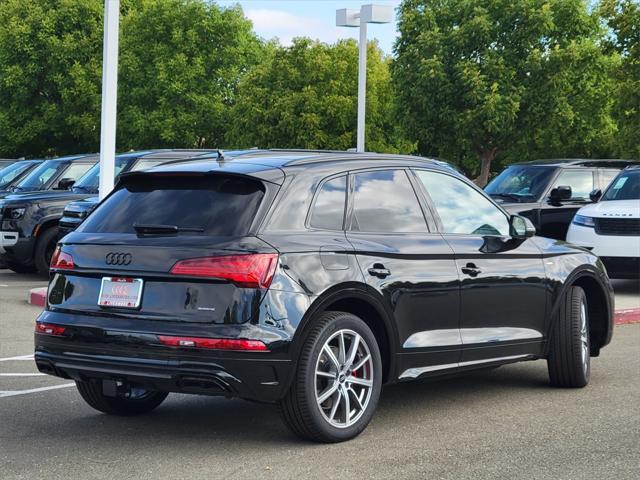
{"points": [[42, 201], [31, 206]]}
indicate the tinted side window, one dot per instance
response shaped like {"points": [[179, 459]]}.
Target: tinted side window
{"points": [[384, 201], [328, 210], [461, 208], [580, 181]]}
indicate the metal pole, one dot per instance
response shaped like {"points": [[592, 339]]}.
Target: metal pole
{"points": [[109, 96], [362, 85]]}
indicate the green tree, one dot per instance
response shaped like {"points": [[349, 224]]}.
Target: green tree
{"points": [[50, 67], [180, 63], [623, 19], [305, 96], [481, 79]]}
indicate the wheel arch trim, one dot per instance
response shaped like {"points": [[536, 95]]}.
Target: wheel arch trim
{"points": [[346, 291]]}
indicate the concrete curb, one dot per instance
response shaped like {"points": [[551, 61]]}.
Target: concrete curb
{"points": [[38, 297], [628, 316]]}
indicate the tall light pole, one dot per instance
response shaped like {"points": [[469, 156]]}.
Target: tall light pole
{"points": [[354, 18], [109, 96]]}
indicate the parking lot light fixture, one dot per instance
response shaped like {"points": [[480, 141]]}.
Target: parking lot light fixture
{"points": [[354, 18]]}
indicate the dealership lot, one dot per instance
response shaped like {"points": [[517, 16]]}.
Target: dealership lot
{"points": [[505, 423]]}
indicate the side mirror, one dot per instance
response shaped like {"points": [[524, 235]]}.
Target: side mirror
{"points": [[521, 227], [560, 193], [65, 184], [595, 195]]}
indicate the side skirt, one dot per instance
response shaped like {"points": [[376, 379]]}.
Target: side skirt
{"points": [[419, 371]]}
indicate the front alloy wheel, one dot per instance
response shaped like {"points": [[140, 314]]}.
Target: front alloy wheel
{"points": [[338, 380]]}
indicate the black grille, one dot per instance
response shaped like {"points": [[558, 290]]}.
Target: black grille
{"points": [[618, 226], [622, 267]]}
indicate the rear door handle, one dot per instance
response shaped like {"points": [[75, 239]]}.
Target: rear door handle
{"points": [[471, 270], [379, 270]]}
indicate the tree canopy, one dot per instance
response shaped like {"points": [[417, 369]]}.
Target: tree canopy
{"points": [[180, 63], [479, 82], [622, 17], [477, 79], [304, 96]]}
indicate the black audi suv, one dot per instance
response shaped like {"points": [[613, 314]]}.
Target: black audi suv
{"points": [[309, 280]]}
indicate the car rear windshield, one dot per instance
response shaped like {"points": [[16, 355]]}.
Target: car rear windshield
{"points": [[215, 205]]}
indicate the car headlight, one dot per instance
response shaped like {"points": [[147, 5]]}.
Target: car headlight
{"points": [[14, 213], [584, 221]]}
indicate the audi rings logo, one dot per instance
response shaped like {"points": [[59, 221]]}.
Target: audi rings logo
{"points": [[116, 258]]}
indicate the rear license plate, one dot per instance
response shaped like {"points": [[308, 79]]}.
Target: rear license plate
{"points": [[120, 292]]}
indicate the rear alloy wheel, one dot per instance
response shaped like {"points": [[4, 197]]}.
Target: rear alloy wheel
{"points": [[569, 360], [128, 400], [338, 381], [45, 246]]}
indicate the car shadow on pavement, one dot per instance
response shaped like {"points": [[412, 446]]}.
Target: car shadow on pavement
{"points": [[188, 418]]}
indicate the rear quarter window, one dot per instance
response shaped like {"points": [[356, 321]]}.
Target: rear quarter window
{"points": [[219, 205]]}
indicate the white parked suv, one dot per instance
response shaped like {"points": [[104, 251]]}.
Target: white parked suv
{"points": [[611, 227]]}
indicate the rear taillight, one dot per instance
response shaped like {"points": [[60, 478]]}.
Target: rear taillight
{"points": [[250, 271], [214, 343], [61, 260], [50, 329]]}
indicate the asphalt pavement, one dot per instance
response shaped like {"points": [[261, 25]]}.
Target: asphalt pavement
{"points": [[506, 423]]}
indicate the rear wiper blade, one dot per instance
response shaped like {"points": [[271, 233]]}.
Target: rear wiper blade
{"points": [[155, 229]]}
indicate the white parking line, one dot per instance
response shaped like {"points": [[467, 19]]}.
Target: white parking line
{"points": [[13, 393], [21, 357], [22, 374]]}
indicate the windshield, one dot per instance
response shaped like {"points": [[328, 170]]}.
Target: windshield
{"points": [[90, 181], [625, 187], [39, 177], [217, 205], [10, 173], [521, 183]]}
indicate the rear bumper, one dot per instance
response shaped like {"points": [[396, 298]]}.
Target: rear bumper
{"points": [[91, 352], [255, 379]]}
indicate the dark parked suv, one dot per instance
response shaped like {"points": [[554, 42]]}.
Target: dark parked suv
{"points": [[550, 192], [309, 280]]}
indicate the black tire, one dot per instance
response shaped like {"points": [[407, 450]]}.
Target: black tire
{"points": [[20, 268], [45, 246], [122, 404], [300, 408], [569, 360]]}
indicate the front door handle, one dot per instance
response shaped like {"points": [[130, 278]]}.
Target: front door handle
{"points": [[379, 270], [471, 270]]}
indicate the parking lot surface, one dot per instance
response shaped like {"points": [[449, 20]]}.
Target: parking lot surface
{"points": [[504, 423]]}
